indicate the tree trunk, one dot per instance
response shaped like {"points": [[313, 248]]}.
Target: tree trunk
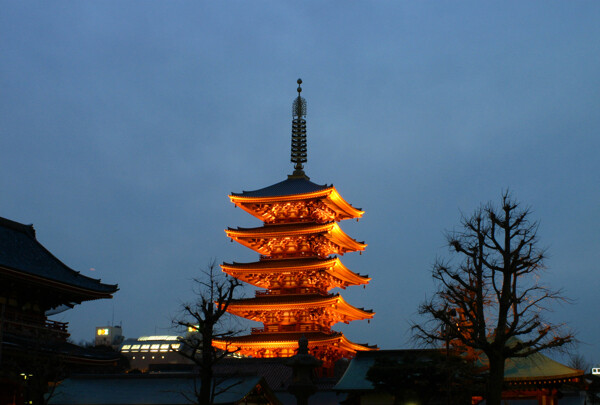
{"points": [[206, 371], [495, 380]]}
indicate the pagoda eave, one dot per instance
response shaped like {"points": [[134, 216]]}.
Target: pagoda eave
{"points": [[259, 239], [290, 341], [299, 302], [333, 267], [329, 196]]}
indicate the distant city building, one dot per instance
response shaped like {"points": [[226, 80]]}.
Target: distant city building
{"points": [[147, 351], [108, 336]]}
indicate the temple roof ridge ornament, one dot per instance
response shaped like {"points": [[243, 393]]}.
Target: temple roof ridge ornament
{"points": [[299, 150]]}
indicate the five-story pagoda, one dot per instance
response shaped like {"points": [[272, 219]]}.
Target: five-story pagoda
{"points": [[297, 267]]}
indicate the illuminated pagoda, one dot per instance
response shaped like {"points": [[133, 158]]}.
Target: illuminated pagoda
{"points": [[298, 266]]}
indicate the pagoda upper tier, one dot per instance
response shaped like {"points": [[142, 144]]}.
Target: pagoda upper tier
{"points": [[296, 199], [296, 240], [297, 312], [297, 275]]}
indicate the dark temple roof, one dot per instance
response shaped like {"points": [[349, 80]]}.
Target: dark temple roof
{"points": [[290, 186], [21, 253]]}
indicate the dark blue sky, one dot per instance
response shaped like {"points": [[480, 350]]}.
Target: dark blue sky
{"points": [[124, 126]]}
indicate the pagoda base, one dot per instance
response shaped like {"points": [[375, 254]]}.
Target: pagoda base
{"points": [[328, 347]]}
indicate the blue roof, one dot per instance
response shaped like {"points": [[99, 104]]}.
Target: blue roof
{"points": [[290, 186], [147, 389], [21, 252]]}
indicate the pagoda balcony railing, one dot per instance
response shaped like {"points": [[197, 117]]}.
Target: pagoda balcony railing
{"points": [[291, 328], [299, 290], [276, 256], [33, 326], [262, 293]]}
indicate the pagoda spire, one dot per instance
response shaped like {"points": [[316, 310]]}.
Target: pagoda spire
{"points": [[299, 134]]}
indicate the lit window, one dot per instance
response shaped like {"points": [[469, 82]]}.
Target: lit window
{"points": [[164, 348], [145, 348], [135, 348], [161, 337], [175, 346], [154, 348], [125, 348]]}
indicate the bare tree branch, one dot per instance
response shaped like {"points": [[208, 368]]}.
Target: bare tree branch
{"points": [[491, 301], [203, 319]]}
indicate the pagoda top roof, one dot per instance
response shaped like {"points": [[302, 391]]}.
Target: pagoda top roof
{"points": [[291, 186], [294, 188], [22, 255]]}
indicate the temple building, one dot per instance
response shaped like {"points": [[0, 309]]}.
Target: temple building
{"points": [[34, 284], [298, 246]]}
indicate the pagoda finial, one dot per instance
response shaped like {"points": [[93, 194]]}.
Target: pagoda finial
{"points": [[299, 133]]}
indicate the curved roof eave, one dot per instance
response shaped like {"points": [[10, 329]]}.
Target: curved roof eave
{"points": [[295, 189], [289, 186], [24, 256]]}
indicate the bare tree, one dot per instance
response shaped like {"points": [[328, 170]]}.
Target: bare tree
{"points": [[491, 300], [579, 362], [214, 291]]}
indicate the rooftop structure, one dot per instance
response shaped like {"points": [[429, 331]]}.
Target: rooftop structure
{"points": [[33, 285], [536, 378], [297, 267], [147, 351]]}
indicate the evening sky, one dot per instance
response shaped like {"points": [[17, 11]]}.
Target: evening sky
{"points": [[125, 125]]}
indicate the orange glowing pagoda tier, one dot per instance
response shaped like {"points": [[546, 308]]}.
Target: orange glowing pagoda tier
{"points": [[297, 267]]}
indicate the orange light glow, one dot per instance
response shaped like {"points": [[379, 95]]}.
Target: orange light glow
{"points": [[103, 332], [296, 269]]}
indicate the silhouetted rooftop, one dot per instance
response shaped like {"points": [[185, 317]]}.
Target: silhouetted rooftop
{"points": [[21, 253]]}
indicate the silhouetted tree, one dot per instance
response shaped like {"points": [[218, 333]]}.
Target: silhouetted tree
{"points": [[491, 300], [579, 362], [215, 291]]}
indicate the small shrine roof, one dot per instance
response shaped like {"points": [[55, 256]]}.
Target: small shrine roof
{"points": [[537, 367], [290, 186], [22, 255]]}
